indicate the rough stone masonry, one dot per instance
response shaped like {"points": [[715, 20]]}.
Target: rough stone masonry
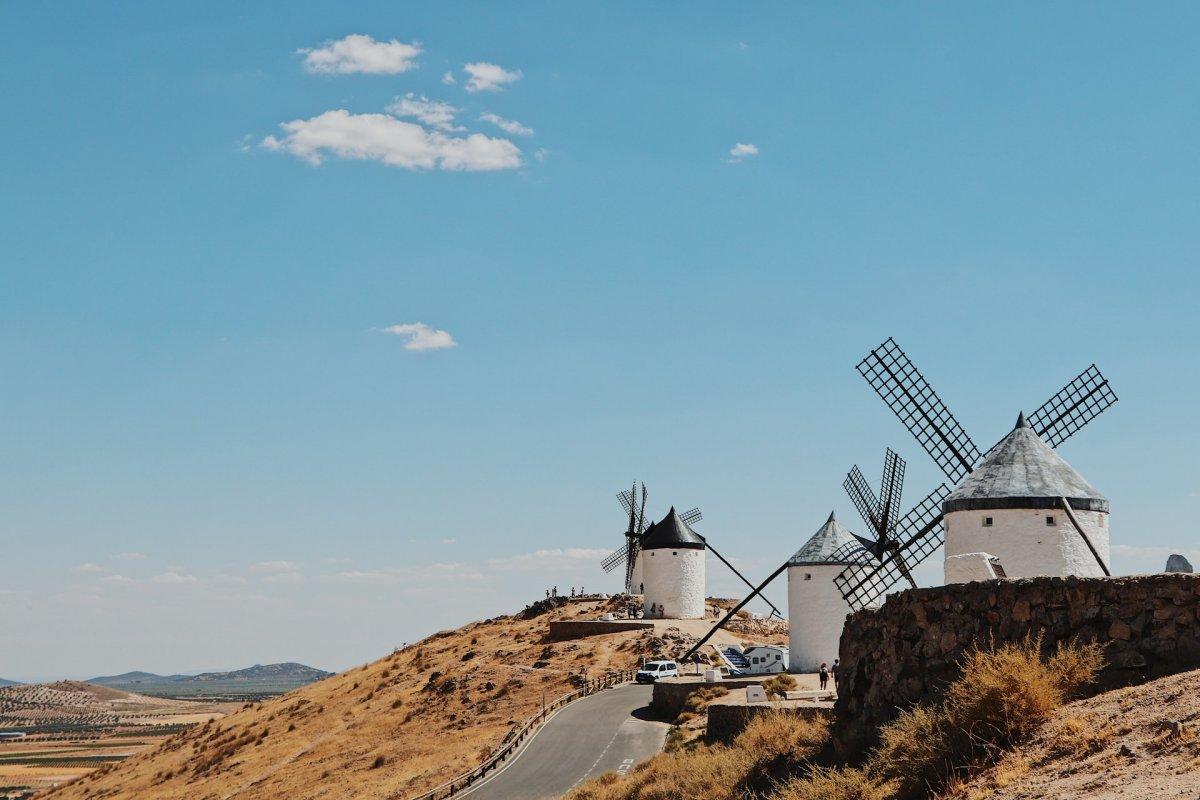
{"points": [[909, 650]]}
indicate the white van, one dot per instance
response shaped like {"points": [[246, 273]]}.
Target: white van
{"points": [[653, 670]]}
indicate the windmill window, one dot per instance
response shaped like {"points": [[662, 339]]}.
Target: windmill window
{"points": [[987, 522], [808, 576], [1049, 520], [674, 552]]}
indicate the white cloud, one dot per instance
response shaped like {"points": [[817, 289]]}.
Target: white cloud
{"points": [[435, 113], [742, 151], [449, 541], [275, 566], [541, 154], [380, 137], [507, 125], [548, 560], [174, 578], [448, 78], [131, 556], [422, 337], [358, 53], [117, 580], [487, 77], [88, 569]]}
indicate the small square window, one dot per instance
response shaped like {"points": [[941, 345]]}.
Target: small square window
{"points": [[987, 522], [1049, 520], [808, 576], [674, 552]]}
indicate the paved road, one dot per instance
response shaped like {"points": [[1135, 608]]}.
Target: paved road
{"points": [[591, 736]]}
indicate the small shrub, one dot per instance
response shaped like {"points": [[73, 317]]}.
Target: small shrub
{"points": [[780, 685], [378, 762]]}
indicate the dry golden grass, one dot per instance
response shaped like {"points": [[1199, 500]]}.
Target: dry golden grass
{"points": [[837, 784], [715, 772], [393, 727], [1080, 736], [1004, 695]]}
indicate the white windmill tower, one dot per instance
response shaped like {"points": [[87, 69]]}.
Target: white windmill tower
{"points": [[1018, 475], [1028, 508], [672, 557], [636, 561], [816, 609]]}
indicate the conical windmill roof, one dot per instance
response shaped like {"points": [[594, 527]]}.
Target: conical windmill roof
{"points": [[671, 532], [1022, 471], [828, 541]]}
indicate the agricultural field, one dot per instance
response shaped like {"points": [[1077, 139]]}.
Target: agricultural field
{"points": [[72, 728]]}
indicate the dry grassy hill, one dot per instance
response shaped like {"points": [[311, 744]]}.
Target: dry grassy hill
{"points": [[391, 728], [1140, 742]]}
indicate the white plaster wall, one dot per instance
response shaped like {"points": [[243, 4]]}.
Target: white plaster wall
{"points": [[816, 614], [1026, 546], [635, 586], [674, 580]]}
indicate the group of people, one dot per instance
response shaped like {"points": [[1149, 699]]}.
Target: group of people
{"points": [[553, 591], [826, 671]]}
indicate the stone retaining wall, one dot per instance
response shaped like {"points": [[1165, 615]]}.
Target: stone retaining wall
{"points": [[909, 650], [580, 628], [727, 720], [670, 694]]}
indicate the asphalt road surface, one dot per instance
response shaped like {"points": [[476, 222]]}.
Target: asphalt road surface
{"points": [[606, 732]]}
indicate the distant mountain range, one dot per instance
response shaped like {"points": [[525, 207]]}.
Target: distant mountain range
{"points": [[275, 674], [4, 682]]}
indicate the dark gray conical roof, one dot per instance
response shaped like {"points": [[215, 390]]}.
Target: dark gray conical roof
{"points": [[671, 532], [1022, 471], [829, 546]]}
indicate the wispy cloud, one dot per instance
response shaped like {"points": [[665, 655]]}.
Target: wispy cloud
{"points": [[507, 125], [117, 580], [130, 556], [741, 151], [487, 77], [448, 78], [358, 53], [435, 113], [449, 541], [394, 142], [175, 578], [420, 336], [88, 569], [550, 559]]}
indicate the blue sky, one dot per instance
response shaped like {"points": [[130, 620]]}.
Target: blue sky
{"points": [[216, 452]]}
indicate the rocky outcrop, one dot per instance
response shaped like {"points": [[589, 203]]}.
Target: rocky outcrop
{"points": [[909, 650]]}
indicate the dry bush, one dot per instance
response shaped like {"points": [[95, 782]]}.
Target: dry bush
{"points": [[837, 784], [780, 685], [1005, 694]]}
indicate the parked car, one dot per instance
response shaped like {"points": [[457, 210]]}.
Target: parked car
{"points": [[653, 670]]}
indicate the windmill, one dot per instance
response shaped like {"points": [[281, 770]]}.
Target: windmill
{"points": [[914, 537], [882, 514], [635, 528]]}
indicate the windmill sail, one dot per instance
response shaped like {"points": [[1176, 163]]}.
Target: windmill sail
{"points": [[916, 537], [1086, 397], [897, 380]]}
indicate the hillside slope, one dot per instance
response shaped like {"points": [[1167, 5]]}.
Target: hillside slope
{"points": [[389, 728], [1140, 742]]}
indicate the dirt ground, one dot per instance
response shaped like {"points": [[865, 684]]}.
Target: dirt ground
{"points": [[1129, 744]]}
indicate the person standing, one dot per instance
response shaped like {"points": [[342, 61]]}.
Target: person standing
{"points": [[824, 674], [834, 670]]}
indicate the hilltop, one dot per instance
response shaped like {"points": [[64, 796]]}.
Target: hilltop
{"points": [[395, 726], [5, 682]]}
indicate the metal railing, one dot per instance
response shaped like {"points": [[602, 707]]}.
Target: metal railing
{"points": [[518, 735]]}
